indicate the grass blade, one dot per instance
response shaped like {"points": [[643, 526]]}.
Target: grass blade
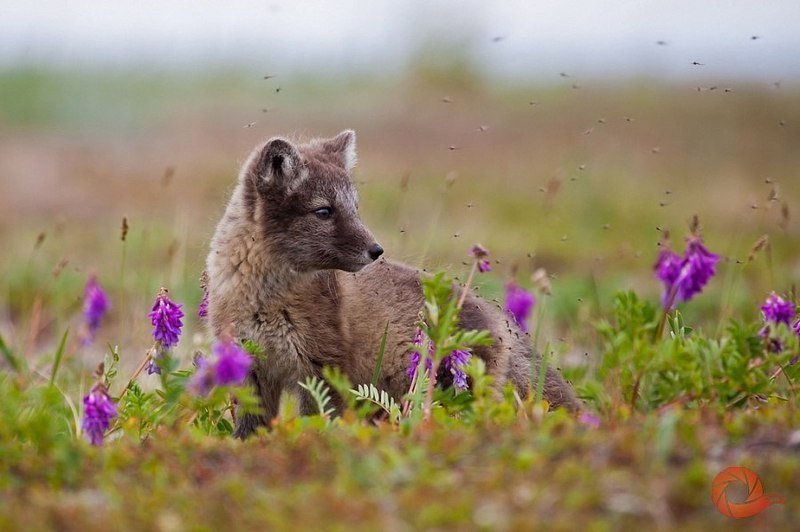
{"points": [[9, 356], [377, 372], [59, 356], [542, 372]]}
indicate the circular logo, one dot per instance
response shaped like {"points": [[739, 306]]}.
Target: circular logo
{"points": [[755, 503]]}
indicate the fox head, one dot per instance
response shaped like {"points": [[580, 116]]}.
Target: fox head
{"points": [[304, 202]]}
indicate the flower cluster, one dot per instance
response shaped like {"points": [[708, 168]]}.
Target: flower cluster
{"points": [[229, 368], [777, 310], [684, 277], [481, 254], [518, 304], [166, 319], [454, 363], [98, 411], [95, 306], [419, 340]]}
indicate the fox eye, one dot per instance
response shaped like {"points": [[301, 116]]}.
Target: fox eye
{"points": [[324, 213]]}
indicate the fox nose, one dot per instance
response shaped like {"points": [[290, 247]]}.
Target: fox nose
{"points": [[375, 251]]}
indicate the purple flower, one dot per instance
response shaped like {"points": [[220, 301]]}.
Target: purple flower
{"points": [[153, 368], [774, 345], [232, 364], [796, 327], [230, 368], [777, 310], [484, 266], [95, 306], [203, 379], [202, 310], [478, 252], [455, 363], [699, 266], [518, 304], [589, 419], [668, 269], [166, 318], [685, 278], [98, 411], [419, 340]]}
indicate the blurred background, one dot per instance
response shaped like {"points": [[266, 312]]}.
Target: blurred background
{"points": [[561, 135]]}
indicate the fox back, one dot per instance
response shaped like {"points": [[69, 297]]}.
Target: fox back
{"points": [[293, 268]]}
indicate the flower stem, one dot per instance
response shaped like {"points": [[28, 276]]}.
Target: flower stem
{"points": [[467, 285], [426, 410], [672, 294], [147, 357]]}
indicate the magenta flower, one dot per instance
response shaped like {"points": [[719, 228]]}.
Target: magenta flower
{"points": [[685, 278], [777, 310], [518, 304], [166, 318], [484, 266], [98, 411], [232, 364], [95, 307]]}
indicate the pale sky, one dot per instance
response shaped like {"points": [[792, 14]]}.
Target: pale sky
{"points": [[514, 39]]}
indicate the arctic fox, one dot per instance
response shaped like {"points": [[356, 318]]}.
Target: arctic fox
{"points": [[293, 269]]}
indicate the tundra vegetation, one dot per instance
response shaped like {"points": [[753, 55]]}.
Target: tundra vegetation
{"points": [[643, 236]]}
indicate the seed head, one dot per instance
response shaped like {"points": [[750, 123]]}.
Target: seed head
{"points": [[478, 252]]}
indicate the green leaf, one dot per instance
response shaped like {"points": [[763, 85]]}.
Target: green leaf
{"points": [[377, 372], [320, 393], [59, 355], [382, 399], [9, 356]]}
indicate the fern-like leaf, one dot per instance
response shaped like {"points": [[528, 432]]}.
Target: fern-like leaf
{"points": [[368, 392], [320, 393]]}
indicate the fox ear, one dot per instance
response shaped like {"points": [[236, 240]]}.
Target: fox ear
{"points": [[278, 162], [343, 146]]}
